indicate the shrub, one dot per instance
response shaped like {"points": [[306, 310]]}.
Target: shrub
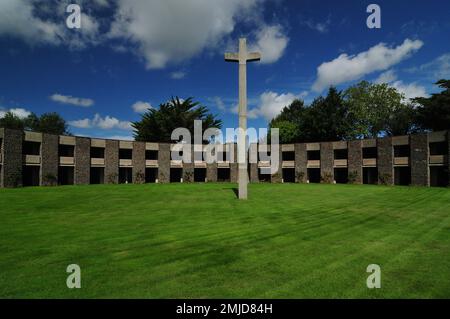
{"points": [[385, 179], [300, 177], [49, 180], [139, 178], [188, 177], [326, 178], [352, 177], [112, 178]]}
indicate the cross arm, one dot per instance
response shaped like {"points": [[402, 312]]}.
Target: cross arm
{"points": [[254, 56], [231, 57]]}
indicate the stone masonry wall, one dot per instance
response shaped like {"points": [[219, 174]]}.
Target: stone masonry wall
{"points": [[139, 162], [385, 161], [82, 161], [355, 161], [164, 163], [327, 162], [12, 158], [111, 162], [420, 175], [301, 162], [50, 159]]}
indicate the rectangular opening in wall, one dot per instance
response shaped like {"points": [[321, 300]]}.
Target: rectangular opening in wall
{"points": [[439, 176], [264, 178], [176, 174], [223, 174], [288, 175], [125, 175], [314, 175], [31, 148], [97, 175], [199, 175], [402, 151], [341, 175], [313, 155], [402, 176], [288, 156], [341, 154], [438, 148], [97, 152], [65, 175], [125, 153], [66, 150], [31, 175], [369, 152], [151, 155], [370, 175], [151, 175]]}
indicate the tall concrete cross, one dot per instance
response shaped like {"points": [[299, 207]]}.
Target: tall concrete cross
{"points": [[242, 57]]}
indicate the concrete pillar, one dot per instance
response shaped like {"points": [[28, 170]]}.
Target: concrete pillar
{"points": [[420, 173], [385, 162], [355, 161], [111, 162], [50, 159], [164, 163], [82, 161], [301, 163], [11, 175], [138, 162], [327, 162]]}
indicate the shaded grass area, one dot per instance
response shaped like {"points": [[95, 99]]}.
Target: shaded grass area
{"points": [[198, 241]]}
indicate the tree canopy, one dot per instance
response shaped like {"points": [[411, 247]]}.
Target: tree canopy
{"points": [[156, 125], [434, 112], [51, 123]]}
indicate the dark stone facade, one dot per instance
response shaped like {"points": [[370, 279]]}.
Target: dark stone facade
{"points": [[277, 177], [355, 162], [12, 158], [448, 155], [164, 163], [139, 162], [385, 162], [211, 172], [234, 166], [82, 161], [50, 159], [420, 175], [301, 163], [326, 162], [111, 162]]}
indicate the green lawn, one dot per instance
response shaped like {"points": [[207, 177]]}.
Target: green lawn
{"points": [[198, 241]]}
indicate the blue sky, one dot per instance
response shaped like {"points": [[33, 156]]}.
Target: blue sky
{"points": [[129, 55]]}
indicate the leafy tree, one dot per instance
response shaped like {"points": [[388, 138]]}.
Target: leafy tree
{"points": [[288, 131], [434, 112], [370, 105], [156, 125], [51, 123], [402, 121], [12, 121]]}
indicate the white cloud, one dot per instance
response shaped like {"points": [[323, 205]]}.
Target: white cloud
{"points": [[67, 99], [178, 75], [141, 107], [347, 68], [271, 42], [321, 27], [410, 91], [19, 112], [171, 31], [24, 19], [386, 77], [271, 104], [437, 69], [104, 123]]}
